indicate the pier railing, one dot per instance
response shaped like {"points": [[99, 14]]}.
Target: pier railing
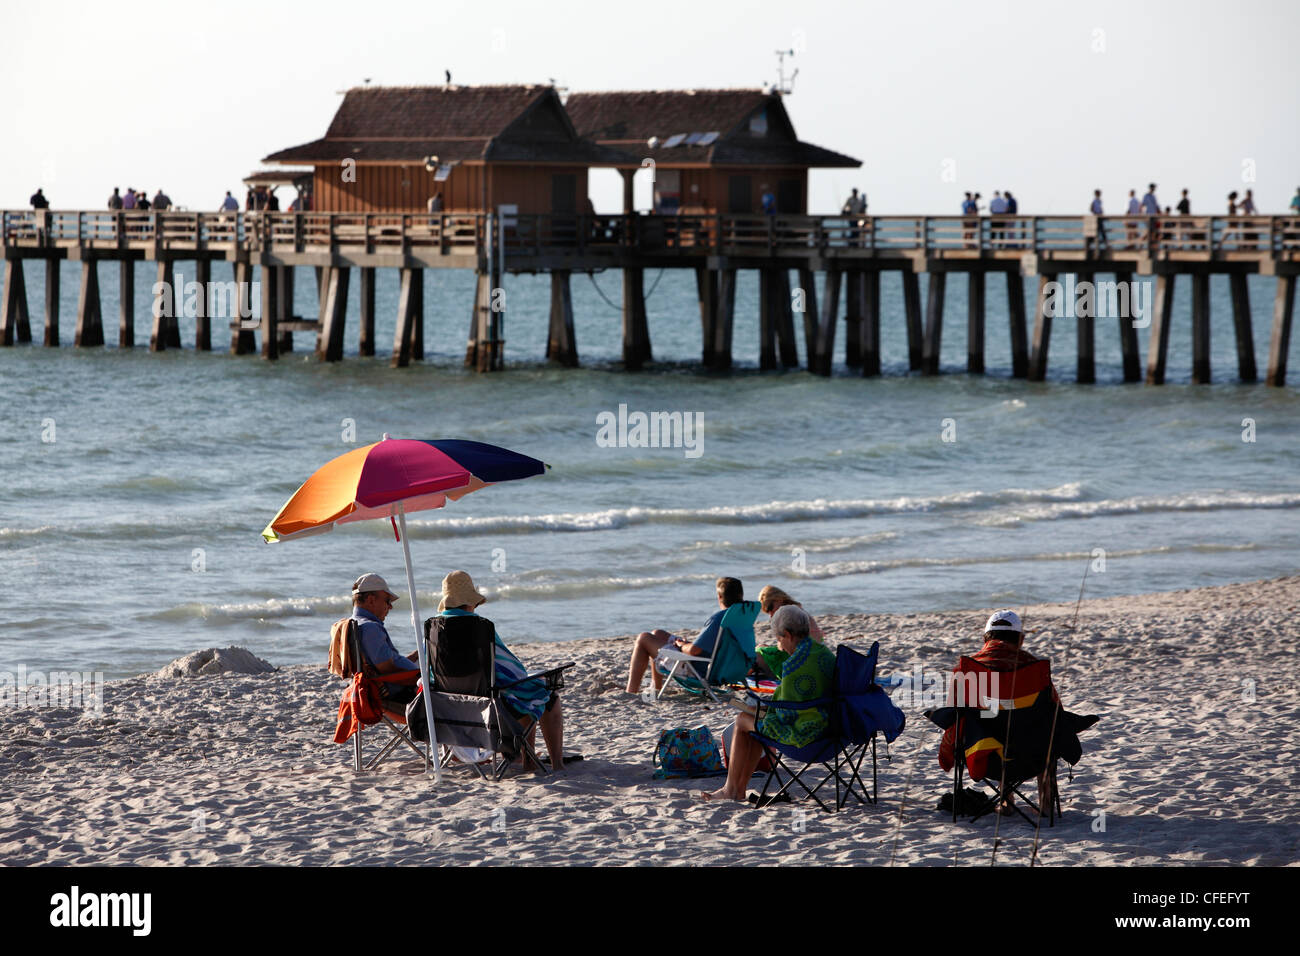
{"points": [[534, 235]]}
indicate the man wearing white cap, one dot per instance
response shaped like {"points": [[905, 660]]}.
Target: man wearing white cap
{"points": [[371, 602], [1002, 651]]}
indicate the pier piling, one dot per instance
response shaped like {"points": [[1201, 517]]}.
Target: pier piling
{"points": [[1280, 342], [90, 321], [975, 323]]}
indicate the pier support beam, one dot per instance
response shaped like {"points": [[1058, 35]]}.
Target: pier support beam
{"points": [[484, 351], [202, 320], [912, 308], [243, 341], [1128, 336], [636, 330], [766, 321], [933, 323], [829, 317], [1280, 343], [90, 321], [1162, 312], [561, 343], [975, 323], [405, 320], [51, 337], [1086, 326], [14, 316], [284, 308], [871, 323], [724, 325], [1246, 370], [787, 345], [1042, 332], [706, 289], [1016, 316], [334, 314], [417, 315], [808, 299], [853, 294], [367, 346], [270, 313], [1200, 328], [126, 304]]}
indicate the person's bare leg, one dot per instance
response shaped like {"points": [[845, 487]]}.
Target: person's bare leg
{"points": [[553, 734], [744, 757], [648, 644]]}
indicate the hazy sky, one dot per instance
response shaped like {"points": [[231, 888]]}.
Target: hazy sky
{"points": [[1050, 100]]}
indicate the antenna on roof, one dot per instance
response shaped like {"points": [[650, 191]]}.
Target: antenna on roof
{"points": [[783, 86]]}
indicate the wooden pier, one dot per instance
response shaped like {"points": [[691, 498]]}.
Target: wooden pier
{"points": [[848, 254]]}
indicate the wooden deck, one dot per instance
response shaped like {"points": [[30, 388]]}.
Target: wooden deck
{"points": [[544, 242], [849, 253]]}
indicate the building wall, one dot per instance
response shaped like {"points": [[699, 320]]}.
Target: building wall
{"points": [[708, 190], [529, 187], [385, 188]]}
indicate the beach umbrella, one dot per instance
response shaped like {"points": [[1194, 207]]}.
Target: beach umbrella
{"points": [[387, 479]]}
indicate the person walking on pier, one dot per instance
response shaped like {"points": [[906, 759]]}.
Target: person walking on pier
{"points": [[115, 200], [1013, 209], [1134, 209], [1151, 205], [997, 207], [970, 207], [1295, 202], [142, 201], [39, 201], [161, 201], [854, 206], [128, 201], [230, 203], [1095, 208]]}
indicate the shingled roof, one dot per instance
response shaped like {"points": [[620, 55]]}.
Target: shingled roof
{"points": [[628, 120], [454, 123]]}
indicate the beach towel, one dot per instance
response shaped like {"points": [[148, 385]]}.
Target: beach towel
{"points": [[340, 661]]}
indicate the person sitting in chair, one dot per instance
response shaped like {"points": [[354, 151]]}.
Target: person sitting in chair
{"points": [[1003, 652], [806, 675], [650, 643], [531, 701], [770, 599], [371, 602]]}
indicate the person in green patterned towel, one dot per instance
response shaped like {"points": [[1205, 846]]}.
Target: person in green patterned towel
{"points": [[806, 675]]}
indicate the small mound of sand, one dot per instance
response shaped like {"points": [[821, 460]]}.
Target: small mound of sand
{"points": [[215, 660]]}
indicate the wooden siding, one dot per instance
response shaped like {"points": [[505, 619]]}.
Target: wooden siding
{"points": [[392, 188]]}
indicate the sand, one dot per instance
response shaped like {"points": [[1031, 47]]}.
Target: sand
{"points": [[240, 768]]}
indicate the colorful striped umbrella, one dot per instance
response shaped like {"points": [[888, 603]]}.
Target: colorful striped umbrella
{"points": [[386, 480]]}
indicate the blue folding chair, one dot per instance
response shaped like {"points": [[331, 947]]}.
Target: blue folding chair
{"points": [[731, 660], [857, 711]]}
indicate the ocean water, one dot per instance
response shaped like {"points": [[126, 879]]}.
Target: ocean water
{"points": [[135, 485]]}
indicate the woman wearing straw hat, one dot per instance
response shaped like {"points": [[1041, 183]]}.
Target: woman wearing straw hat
{"points": [[531, 699]]}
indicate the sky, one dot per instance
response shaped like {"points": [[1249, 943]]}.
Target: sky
{"points": [[1048, 99]]}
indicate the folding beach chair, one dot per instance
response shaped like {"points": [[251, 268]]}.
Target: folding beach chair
{"points": [[732, 657], [353, 709], [857, 711], [1009, 730], [470, 709]]}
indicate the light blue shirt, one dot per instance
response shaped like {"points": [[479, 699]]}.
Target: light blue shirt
{"points": [[375, 642], [1150, 205], [998, 205], [1096, 207]]}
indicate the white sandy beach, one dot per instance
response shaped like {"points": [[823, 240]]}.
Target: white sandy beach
{"points": [[240, 769]]}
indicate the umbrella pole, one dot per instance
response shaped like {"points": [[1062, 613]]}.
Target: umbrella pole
{"points": [[419, 646]]}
